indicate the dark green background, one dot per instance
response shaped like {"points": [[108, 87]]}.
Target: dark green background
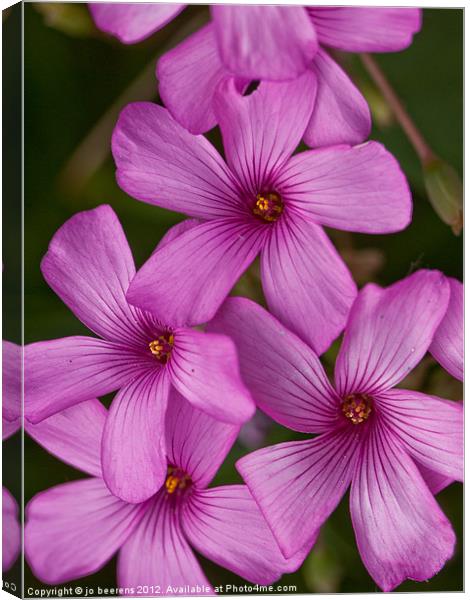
{"points": [[71, 81]]}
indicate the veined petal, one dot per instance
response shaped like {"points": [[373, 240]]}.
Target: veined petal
{"points": [[341, 114], [299, 256], [186, 281], [12, 359], [262, 130], [132, 23], [73, 529], [204, 369], [61, 373], [360, 29], [297, 485], [133, 448], [11, 530], [89, 266], [360, 188], [195, 442], [447, 344], [400, 530], [265, 42], [188, 77], [388, 332], [435, 481], [74, 435], [225, 525], [175, 231], [157, 553], [429, 428], [160, 162], [284, 375]]}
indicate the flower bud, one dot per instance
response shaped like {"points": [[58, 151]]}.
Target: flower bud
{"points": [[445, 192]]}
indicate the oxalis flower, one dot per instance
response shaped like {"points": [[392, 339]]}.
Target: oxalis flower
{"points": [[271, 43], [447, 345], [73, 529], [394, 447], [89, 265], [263, 201]]}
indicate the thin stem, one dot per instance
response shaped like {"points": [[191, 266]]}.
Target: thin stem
{"points": [[426, 155]]}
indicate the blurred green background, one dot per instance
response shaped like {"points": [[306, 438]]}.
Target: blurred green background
{"points": [[76, 79]]}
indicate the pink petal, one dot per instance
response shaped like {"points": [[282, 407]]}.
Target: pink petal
{"points": [[132, 23], [159, 162], [225, 525], [285, 377], [400, 530], [265, 42], [435, 481], [61, 373], [298, 484], [359, 188], [12, 359], [185, 282], [74, 435], [188, 77], [341, 114], [89, 266], [299, 256], [72, 530], [133, 450], [430, 428], [158, 555], [204, 369], [175, 231], [262, 130], [447, 345], [389, 331], [360, 29], [195, 442], [11, 530]]}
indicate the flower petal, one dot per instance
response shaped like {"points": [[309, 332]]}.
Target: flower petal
{"points": [[61, 373], [360, 29], [132, 23], [435, 481], [299, 256], [133, 450], [159, 162], [12, 359], [262, 130], [430, 428], [11, 530], [297, 485], [388, 332], [89, 266], [341, 114], [359, 188], [285, 377], [157, 554], [196, 442], [74, 435], [225, 525], [188, 77], [185, 282], [265, 42], [73, 529], [400, 530], [175, 231], [447, 344]]}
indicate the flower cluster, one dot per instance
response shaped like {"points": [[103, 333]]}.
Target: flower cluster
{"points": [[189, 365]]}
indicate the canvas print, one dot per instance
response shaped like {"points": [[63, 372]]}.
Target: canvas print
{"points": [[232, 299]]}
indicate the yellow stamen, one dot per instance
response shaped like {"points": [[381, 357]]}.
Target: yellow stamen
{"points": [[162, 346], [357, 408]]}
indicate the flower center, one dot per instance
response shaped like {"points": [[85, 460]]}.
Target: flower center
{"points": [[162, 346], [176, 480], [268, 207], [357, 408]]}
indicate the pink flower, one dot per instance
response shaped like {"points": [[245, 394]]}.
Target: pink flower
{"points": [[73, 529], [447, 345], [11, 530], [89, 265], [394, 447], [262, 201]]}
